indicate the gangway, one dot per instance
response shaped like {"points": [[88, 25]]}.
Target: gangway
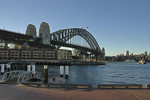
{"points": [[21, 76], [26, 76]]}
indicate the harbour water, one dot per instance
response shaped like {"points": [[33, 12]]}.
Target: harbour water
{"points": [[111, 73]]}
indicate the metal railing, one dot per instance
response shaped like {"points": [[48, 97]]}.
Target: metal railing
{"points": [[22, 76]]}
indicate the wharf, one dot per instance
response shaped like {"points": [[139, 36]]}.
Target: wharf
{"points": [[88, 63], [22, 92]]}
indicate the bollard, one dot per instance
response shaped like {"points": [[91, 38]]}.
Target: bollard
{"points": [[45, 74], [66, 72], [61, 71], [2, 69], [28, 68]]}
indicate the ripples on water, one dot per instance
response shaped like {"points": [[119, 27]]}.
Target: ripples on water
{"points": [[111, 73]]}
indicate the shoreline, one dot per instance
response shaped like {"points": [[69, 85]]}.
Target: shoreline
{"points": [[88, 63]]}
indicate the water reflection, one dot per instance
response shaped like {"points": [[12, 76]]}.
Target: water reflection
{"points": [[111, 73]]}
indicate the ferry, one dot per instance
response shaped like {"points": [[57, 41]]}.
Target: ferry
{"points": [[130, 61]]}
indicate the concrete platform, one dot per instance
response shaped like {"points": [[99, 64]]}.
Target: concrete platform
{"points": [[22, 92]]}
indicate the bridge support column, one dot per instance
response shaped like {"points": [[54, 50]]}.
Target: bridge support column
{"points": [[96, 57], [2, 69], [66, 72], [61, 71], [45, 74]]}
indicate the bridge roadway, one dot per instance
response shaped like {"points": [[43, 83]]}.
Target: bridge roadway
{"points": [[18, 38], [13, 37]]}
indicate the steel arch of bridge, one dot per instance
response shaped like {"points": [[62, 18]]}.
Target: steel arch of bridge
{"points": [[66, 34]]}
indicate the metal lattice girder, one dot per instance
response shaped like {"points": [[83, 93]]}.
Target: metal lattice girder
{"points": [[64, 35], [58, 38]]}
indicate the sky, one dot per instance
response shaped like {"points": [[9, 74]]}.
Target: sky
{"points": [[117, 25]]}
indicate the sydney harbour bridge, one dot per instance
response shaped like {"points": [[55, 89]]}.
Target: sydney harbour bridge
{"points": [[77, 38]]}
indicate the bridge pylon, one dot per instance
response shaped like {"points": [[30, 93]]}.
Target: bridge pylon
{"points": [[44, 33]]}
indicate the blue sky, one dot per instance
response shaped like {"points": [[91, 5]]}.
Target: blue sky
{"points": [[117, 25]]}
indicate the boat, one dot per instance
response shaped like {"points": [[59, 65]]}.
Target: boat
{"points": [[130, 61], [142, 61]]}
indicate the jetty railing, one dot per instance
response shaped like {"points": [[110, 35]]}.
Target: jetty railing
{"points": [[11, 75], [26, 76], [21, 76]]}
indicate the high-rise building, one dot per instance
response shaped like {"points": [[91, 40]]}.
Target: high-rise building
{"points": [[145, 53], [127, 53], [103, 51]]}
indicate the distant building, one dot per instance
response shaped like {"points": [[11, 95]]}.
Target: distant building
{"points": [[127, 53], [103, 51], [121, 55], [131, 54], [64, 54], [145, 53]]}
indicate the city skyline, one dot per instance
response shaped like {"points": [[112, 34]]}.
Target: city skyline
{"points": [[117, 25], [128, 53]]}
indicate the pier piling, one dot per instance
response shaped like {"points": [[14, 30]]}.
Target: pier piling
{"points": [[46, 74], [66, 72], [61, 71]]}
